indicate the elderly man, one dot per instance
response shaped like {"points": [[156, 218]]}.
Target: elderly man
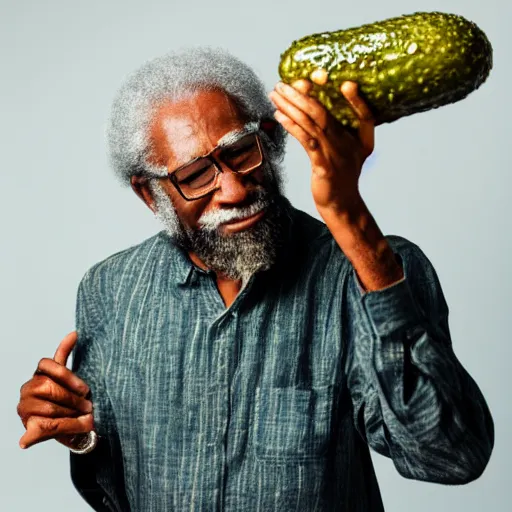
{"points": [[246, 357]]}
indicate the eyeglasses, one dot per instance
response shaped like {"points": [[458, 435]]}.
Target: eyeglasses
{"points": [[198, 178]]}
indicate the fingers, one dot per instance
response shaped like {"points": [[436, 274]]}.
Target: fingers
{"points": [[54, 392], [41, 429], [303, 86], [65, 348], [38, 407], [367, 138], [62, 375], [42, 387], [309, 143], [300, 108], [350, 92], [366, 129]]}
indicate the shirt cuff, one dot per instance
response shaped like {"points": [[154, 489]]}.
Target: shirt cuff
{"points": [[392, 308], [362, 289]]}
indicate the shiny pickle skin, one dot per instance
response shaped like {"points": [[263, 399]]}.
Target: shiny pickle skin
{"points": [[403, 65]]}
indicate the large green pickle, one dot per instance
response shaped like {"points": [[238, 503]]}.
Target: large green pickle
{"points": [[402, 65]]}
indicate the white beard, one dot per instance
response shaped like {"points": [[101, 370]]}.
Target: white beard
{"points": [[235, 256]]}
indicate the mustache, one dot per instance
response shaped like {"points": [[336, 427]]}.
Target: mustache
{"points": [[211, 221]]}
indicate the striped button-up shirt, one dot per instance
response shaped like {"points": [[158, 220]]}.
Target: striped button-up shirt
{"points": [[272, 403]]}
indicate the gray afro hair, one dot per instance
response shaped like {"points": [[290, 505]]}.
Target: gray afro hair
{"points": [[172, 77]]}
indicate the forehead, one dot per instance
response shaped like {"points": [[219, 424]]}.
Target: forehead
{"points": [[192, 126]]}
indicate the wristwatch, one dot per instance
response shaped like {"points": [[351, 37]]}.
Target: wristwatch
{"points": [[87, 444]]}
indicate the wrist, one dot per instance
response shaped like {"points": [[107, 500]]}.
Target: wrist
{"points": [[361, 240], [350, 211]]}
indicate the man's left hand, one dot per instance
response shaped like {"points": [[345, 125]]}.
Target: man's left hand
{"points": [[337, 155]]}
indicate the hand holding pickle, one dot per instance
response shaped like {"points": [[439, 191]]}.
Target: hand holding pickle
{"points": [[337, 155], [337, 86]]}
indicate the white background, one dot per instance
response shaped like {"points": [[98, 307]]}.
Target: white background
{"points": [[441, 179]]}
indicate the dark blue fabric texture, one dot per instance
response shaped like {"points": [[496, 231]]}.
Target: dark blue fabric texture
{"points": [[274, 403]]}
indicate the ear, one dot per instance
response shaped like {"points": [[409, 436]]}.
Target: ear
{"points": [[140, 186], [269, 126]]}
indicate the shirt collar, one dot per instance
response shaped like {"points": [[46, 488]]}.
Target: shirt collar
{"points": [[180, 265]]}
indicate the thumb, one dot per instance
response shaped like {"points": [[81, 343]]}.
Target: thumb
{"points": [[65, 348]]}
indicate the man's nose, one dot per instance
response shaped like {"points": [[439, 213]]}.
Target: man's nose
{"points": [[233, 188]]}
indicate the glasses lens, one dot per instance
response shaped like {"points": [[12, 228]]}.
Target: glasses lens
{"points": [[196, 177], [243, 155]]}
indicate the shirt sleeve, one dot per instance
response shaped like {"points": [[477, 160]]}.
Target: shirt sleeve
{"points": [[412, 399], [98, 475]]}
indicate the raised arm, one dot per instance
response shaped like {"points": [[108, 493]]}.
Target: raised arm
{"points": [[413, 400]]}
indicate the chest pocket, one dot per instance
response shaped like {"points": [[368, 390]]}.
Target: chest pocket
{"points": [[292, 425]]}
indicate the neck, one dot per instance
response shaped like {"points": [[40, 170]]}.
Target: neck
{"points": [[197, 261], [228, 288]]}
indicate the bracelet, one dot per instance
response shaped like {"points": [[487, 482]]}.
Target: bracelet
{"points": [[87, 445]]}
